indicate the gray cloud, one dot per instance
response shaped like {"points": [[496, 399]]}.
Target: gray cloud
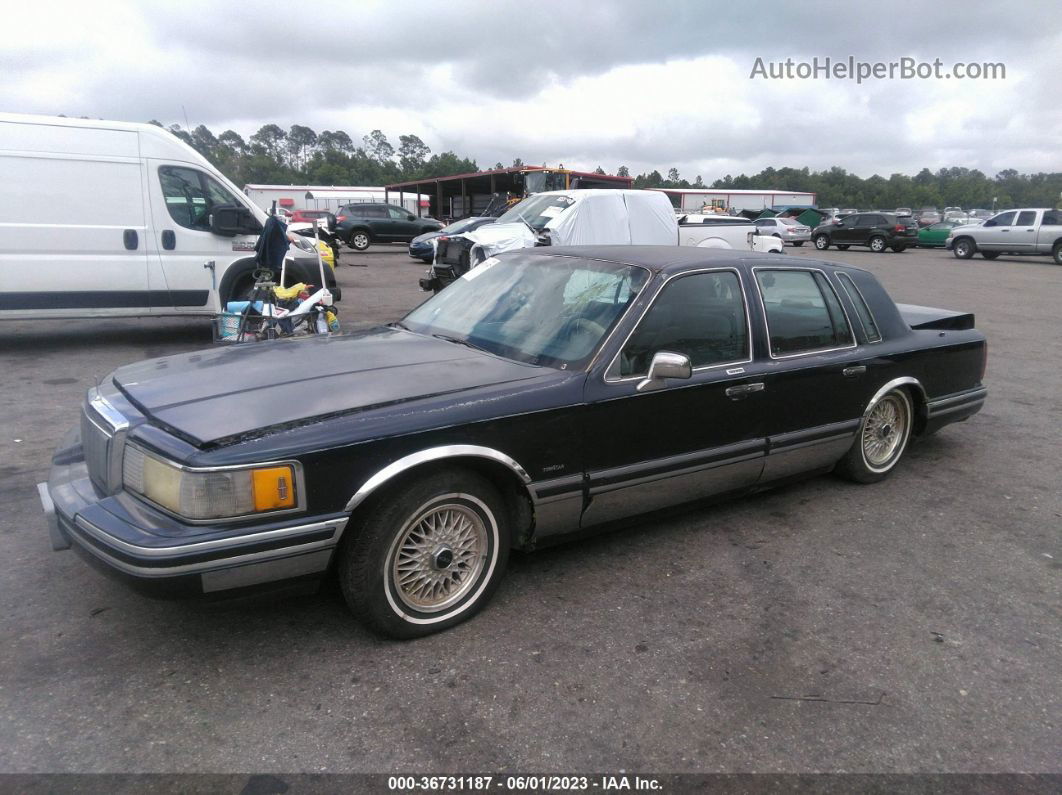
{"points": [[359, 66]]}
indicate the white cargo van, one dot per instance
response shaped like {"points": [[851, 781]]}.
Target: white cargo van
{"points": [[107, 219]]}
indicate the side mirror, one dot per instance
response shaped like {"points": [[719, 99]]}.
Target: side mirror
{"points": [[411, 218], [665, 364], [229, 220]]}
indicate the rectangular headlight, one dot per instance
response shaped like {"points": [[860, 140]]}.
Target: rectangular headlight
{"points": [[204, 494]]}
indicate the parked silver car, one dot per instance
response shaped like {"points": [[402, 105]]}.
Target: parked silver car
{"points": [[788, 230]]}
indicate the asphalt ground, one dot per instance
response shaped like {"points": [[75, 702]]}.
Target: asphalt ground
{"points": [[907, 626]]}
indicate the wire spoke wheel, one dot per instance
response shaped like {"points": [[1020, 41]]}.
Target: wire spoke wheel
{"points": [[885, 431], [438, 557]]}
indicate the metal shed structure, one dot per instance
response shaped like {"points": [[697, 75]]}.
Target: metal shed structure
{"points": [[462, 195], [693, 199]]}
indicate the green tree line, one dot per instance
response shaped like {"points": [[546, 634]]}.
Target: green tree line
{"points": [[301, 155]]}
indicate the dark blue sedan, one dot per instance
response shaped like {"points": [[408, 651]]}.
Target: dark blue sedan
{"points": [[420, 247]]}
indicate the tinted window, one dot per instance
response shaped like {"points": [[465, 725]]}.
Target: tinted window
{"points": [[1003, 219], [803, 313], [1052, 218], [1026, 218], [397, 214], [191, 195], [870, 328], [851, 220], [765, 222], [701, 316]]}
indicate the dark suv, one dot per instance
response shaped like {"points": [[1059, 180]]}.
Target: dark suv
{"points": [[879, 231], [360, 225]]}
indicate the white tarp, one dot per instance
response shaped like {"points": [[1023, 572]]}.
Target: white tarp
{"points": [[595, 217]]}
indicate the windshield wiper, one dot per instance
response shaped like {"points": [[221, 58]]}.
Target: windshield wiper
{"points": [[466, 343]]}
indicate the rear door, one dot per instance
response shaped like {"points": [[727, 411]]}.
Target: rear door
{"points": [[1023, 233], [816, 386], [1050, 231], [378, 220]]}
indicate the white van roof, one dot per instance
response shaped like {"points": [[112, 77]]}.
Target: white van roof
{"points": [[150, 141]]}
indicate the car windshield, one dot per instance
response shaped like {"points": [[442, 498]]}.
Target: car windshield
{"points": [[536, 309], [537, 210]]}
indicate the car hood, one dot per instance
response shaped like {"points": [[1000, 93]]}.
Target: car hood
{"points": [[215, 394], [427, 236]]}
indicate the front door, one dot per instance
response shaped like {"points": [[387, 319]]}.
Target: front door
{"points": [[182, 198], [691, 438], [402, 228], [995, 233], [844, 232]]}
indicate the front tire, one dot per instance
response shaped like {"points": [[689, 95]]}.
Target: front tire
{"points": [[877, 244], [882, 439], [359, 240], [428, 555], [822, 242], [963, 248]]}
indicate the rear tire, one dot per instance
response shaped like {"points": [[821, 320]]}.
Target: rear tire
{"points": [[426, 556], [877, 244], [881, 440], [822, 242], [1056, 253], [989, 254]]}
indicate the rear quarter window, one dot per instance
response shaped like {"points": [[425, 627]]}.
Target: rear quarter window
{"points": [[866, 317]]}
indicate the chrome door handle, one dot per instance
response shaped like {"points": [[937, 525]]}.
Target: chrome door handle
{"points": [[859, 369], [743, 390]]}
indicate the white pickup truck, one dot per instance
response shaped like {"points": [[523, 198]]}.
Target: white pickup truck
{"points": [[1025, 231], [590, 217]]}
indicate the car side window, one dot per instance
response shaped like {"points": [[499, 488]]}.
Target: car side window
{"points": [[1003, 219], [803, 313], [1052, 218], [1026, 218], [866, 318], [851, 220], [397, 214], [701, 315]]}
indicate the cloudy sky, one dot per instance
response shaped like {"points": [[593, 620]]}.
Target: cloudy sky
{"points": [[584, 83]]}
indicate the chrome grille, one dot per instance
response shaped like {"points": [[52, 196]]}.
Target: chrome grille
{"points": [[97, 445]]}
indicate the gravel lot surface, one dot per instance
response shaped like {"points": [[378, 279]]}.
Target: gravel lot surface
{"points": [[912, 625]]}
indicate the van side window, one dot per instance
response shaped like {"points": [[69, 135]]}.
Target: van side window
{"points": [[803, 313], [191, 195]]}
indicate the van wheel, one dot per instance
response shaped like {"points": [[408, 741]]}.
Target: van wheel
{"points": [[877, 244], [359, 240], [822, 242], [427, 556]]}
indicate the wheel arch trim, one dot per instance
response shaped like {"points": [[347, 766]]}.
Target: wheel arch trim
{"points": [[891, 385], [434, 454]]}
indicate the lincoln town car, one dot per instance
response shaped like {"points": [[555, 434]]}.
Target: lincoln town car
{"points": [[547, 392]]}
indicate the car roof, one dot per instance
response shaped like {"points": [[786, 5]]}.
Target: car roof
{"points": [[674, 259]]}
